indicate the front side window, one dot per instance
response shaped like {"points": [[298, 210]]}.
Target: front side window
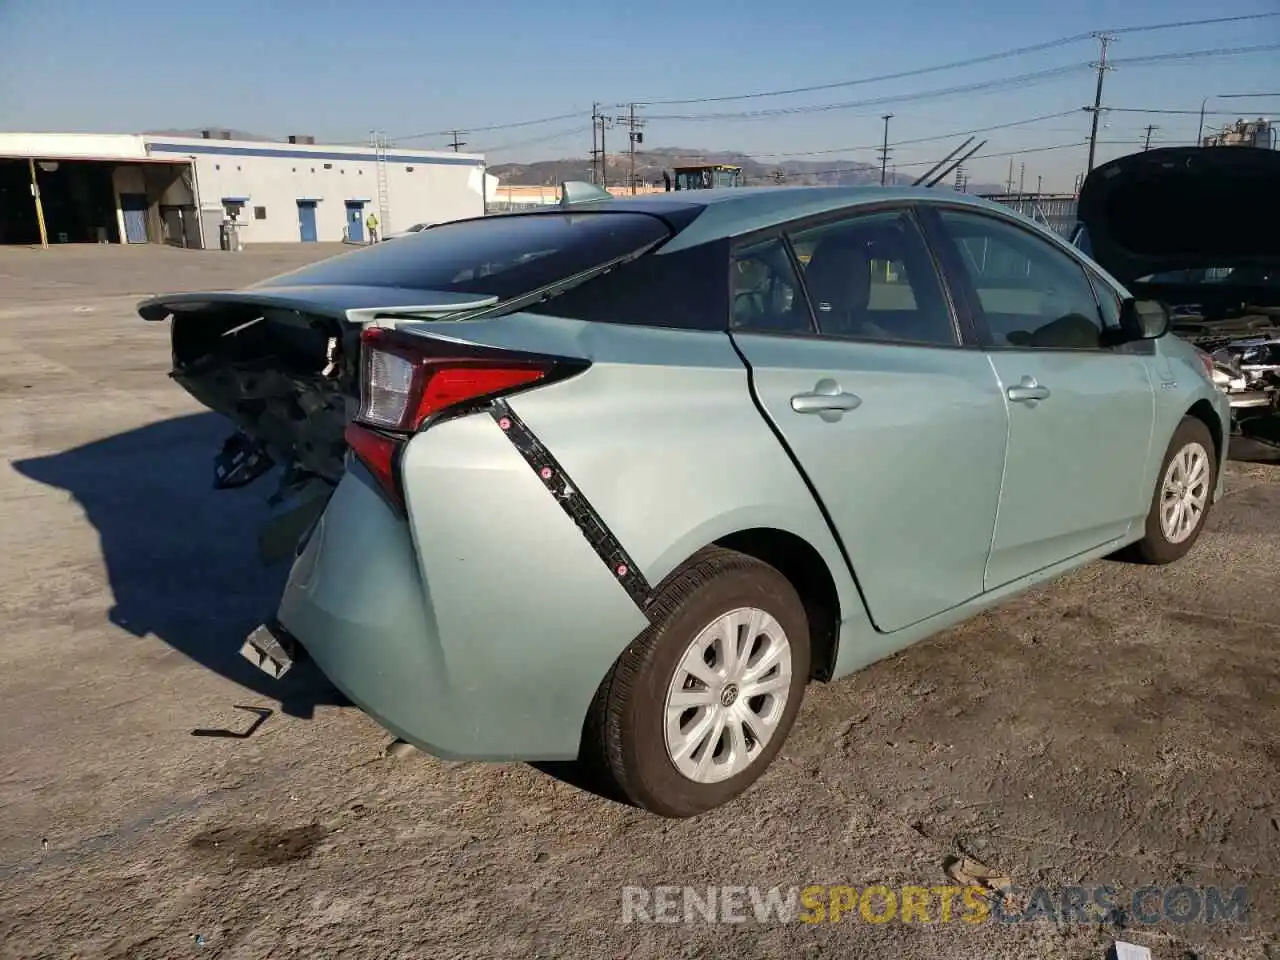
{"points": [[1032, 294], [491, 256], [871, 277], [766, 292]]}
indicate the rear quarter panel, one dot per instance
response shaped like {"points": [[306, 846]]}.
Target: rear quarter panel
{"points": [[663, 438]]}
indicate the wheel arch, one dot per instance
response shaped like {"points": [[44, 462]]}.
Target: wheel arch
{"points": [[1204, 411], [801, 563]]}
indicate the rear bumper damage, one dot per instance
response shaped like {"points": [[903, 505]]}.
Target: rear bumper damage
{"points": [[477, 628]]}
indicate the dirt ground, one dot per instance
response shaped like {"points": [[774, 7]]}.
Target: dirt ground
{"points": [[162, 800]]}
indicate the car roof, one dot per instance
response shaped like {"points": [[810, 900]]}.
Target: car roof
{"points": [[734, 211]]}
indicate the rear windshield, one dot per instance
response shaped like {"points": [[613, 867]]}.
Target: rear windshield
{"points": [[502, 256]]}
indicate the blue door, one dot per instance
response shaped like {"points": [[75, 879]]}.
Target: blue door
{"points": [[355, 221], [307, 220], [134, 207]]}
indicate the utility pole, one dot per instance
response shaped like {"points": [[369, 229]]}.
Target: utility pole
{"points": [[1104, 40], [456, 143], [1022, 179], [35, 195], [595, 131], [635, 134], [1147, 143], [1039, 185], [600, 121], [884, 150], [1008, 183]]}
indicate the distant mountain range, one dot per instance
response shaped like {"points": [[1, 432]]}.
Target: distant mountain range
{"points": [[650, 164]]}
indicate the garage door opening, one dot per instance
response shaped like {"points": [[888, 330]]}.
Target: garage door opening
{"points": [[97, 201]]}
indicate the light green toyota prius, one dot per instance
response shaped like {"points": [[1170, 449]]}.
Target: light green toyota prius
{"points": [[617, 481]]}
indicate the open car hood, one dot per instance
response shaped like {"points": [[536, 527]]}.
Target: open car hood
{"points": [[1154, 215]]}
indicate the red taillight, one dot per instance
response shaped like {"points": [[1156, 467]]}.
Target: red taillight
{"points": [[378, 453], [405, 380], [403, 383]]}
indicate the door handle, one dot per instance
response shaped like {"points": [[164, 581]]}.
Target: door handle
{"points": [[1028, 391], [827, 400]]}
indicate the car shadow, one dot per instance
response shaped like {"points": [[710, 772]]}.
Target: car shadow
{"points": [[182, 558]]}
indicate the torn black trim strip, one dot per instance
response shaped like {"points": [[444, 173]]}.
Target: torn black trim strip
{"points": [[579, 509]]}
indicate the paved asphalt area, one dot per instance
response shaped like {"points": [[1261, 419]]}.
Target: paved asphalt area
{"points": [[1119, 727]]}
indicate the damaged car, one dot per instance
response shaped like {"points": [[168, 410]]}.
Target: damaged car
{"points": [[616, 483], [1199, 229]]}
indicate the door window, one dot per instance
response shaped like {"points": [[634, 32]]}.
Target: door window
{"points": [[872, 278], [766, 291], [1032, 294]]}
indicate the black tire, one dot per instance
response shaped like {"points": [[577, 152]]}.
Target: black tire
{"points": [[1155, 547], [624, 736]]}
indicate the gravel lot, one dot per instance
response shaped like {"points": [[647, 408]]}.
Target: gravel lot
{"points": [[1119, 727]]}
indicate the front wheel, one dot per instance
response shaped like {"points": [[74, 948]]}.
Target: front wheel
{"points": [[1183, 495], [699, 704]]}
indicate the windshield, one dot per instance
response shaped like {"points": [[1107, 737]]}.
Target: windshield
{"points": [[493, 256]]}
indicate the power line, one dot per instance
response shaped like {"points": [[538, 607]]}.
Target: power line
{"points": [[958, 64], [1188, 113], [1075, 144], [496, 126], [1019, 81], [563, 134], [931, 139]]}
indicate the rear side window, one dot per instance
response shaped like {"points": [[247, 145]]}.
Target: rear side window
{"points": [[687, 289], [492, 256]]}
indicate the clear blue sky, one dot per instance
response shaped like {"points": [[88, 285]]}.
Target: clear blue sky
{"points": [[338, 69]]}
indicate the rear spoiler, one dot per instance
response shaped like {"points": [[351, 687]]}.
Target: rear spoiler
{"points": [[579, 191]]}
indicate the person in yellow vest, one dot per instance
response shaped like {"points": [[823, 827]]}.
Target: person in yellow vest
{"points": [[371, 222]]}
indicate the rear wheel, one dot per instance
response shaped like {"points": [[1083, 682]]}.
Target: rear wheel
{"points": [[699, 704], [1183, 495]]}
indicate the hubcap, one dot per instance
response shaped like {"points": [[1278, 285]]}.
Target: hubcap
{"points": [[1184, 492], [728, 695]]}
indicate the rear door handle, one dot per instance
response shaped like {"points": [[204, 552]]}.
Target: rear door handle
{"points": [[827, 400], [1028, 391]]}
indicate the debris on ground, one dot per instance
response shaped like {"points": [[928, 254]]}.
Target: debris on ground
{"points": [[399, 748], [969, 872], [1131, 951]]}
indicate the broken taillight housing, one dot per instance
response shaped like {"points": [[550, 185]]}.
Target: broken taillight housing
{"points": [[408, 380]]}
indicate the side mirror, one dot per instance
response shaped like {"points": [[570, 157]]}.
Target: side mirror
{"points": [[1144, 319]]}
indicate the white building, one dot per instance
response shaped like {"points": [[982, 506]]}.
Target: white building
{"points": [[94, 188]]}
